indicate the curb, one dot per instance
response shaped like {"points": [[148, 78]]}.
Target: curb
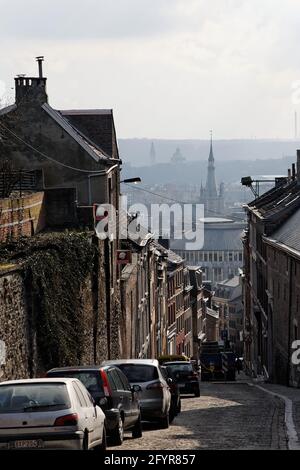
{"points": [[292, 435]]}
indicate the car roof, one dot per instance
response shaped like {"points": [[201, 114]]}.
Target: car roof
{"points": [[75, 368], [176, 363], [148, 362], [38, 381]]}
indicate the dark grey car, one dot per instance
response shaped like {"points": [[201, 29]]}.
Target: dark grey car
{"points": [[155, 395]]}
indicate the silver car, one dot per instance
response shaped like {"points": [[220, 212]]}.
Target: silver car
{"points": [[49, 414], [155, 396]]}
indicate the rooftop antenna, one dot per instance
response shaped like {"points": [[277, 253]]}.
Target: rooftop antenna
{"points": [[40, 59]]}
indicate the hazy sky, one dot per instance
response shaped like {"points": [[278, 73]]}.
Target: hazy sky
{"points": [[168, 68]]}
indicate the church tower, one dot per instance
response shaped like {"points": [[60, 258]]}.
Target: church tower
{"points": [[211, 185], [212, 199]]}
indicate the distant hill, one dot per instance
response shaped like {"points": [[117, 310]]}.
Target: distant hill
{"points": [[192, 172], [137, 151]]}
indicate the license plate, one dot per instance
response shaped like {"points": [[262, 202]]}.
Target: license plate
{"points": [[26, 444]]}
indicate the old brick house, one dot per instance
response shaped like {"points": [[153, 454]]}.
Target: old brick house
{"points": [[196, 278], [283, 289], [270, 284]]}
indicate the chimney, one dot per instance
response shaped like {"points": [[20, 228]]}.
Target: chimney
{"points": [[298, 166], [40, 59], [293, 171], [289, 174], [31, 89]]}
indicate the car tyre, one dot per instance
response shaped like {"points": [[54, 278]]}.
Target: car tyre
{"points": [[164, 422], [117, 436], [137, 430], [197, 393], [179, 407], [85, 444], [103, 446]]}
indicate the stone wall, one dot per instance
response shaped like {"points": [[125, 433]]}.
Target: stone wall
{"points": [[19, 313]]}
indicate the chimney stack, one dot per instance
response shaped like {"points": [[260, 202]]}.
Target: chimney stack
{"points": [[40, 60], [31, 89], [293, 171], [289, 173], [298, 166]]}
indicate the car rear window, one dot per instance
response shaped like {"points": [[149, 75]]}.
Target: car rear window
{"points": [[90, 379], [180, 368], [136, 373], [34, 397]]}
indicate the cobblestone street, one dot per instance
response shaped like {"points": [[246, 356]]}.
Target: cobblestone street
{"points": [[227, 416]]}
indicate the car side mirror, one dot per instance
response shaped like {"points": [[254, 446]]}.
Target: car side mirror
{"points": [[136, 388], [169, 381]]}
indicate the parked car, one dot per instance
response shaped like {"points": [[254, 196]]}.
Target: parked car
{"points": [[175, 407], [49, 414], [186, 377], [155, 395], [111, 390]]}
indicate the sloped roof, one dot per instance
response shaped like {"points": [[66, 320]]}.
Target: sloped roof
{"points": [[280, 199], [98, 125], [8, 109], [289, 232], [83, 141]]}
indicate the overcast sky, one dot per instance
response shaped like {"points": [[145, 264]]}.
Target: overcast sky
{"points": [[168, 68]]}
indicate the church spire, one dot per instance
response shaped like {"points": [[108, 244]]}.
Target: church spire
{"points": [[211, 186]]}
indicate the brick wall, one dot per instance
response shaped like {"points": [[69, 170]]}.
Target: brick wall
{"points": [[22, 216]]}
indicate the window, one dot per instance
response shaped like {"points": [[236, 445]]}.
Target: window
{"points": [[80, 396], [46, 396], [139, 373], [117, 379], [111, 380]]}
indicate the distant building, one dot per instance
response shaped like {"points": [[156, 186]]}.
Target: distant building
{"points": [[178, 157], [228, 298], [212, 197], [221, 257]]}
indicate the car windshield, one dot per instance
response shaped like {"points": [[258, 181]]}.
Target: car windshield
{"points": [[33, 397], [180, 368], [136, 373], [90, 379]]}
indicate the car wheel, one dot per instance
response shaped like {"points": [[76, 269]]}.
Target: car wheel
{"points": [[137, 430], [197, 393], [117, 436], [164, 422], [85, 444], [179, 407], [102, 447], [172, 414]]}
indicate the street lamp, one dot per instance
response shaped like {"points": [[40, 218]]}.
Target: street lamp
{"points": [[131, 180]]}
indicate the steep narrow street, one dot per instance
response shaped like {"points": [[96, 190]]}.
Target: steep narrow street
{"points": [[226, 416]]}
